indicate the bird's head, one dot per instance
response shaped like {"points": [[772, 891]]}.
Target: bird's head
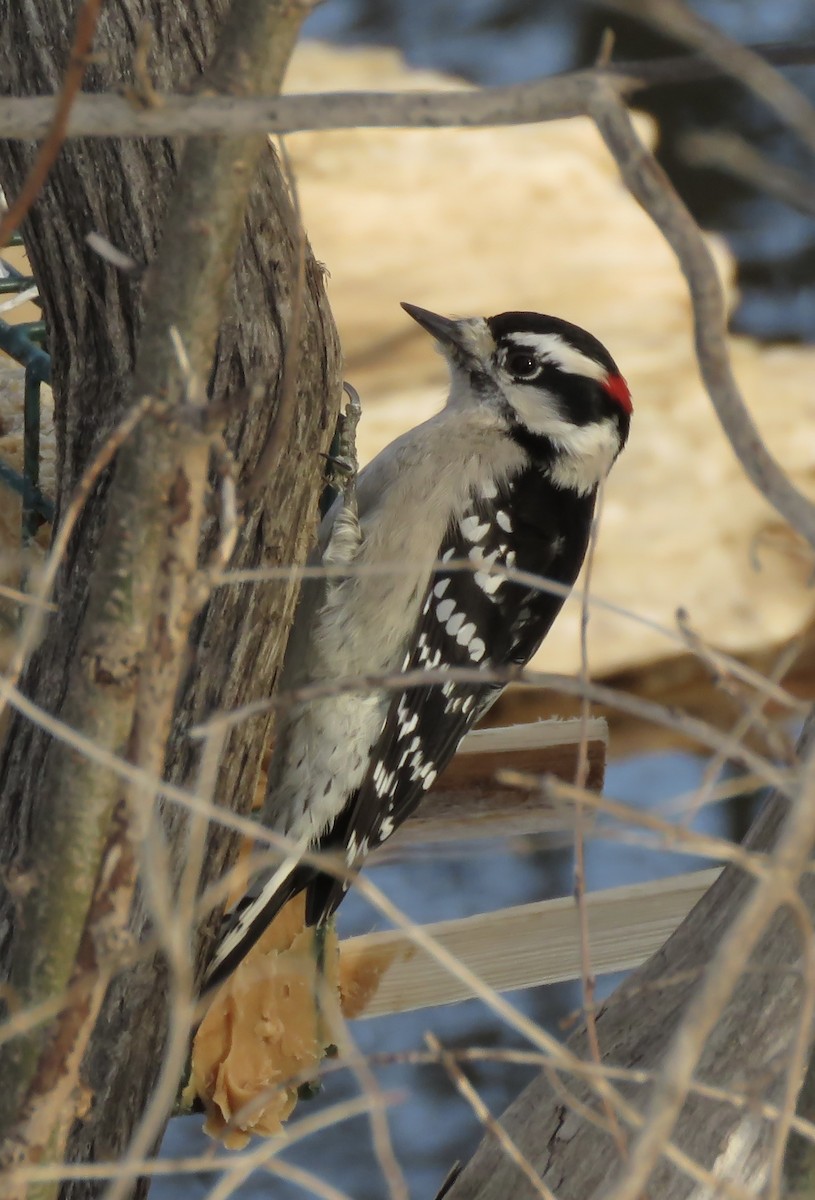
{"points": [[555, 387]]}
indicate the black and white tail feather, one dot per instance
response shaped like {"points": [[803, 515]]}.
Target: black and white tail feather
{"points": [[503, 479]]}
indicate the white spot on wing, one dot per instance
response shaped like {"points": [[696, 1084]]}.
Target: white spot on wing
{"points": [[476, 649], [476, 554], [472, 528], [408, 726], [488, 583], [445, 609], [465, 633], [454, 624]]}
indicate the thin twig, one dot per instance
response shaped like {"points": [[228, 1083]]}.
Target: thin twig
{"points": [[248, 1162], [304, 1179], [466, 1090], [740, 730], [587, 978], [645, 710], [730, 153], [11, 593], [86, 22], [377, 1111], [234, 1167], [559, 1055], [110, 253], [744, 63], [176, 926], [741, 1100], [674, 837], [20, 299], [723, 664]]}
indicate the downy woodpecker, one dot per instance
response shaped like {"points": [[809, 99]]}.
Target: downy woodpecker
{"points": [[505, 476]]}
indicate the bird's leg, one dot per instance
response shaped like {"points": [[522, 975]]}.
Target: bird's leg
{"points": [[346, 538], [342, 464]]}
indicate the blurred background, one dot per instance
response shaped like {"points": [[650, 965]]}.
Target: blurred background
{"points": [[495, 42], [769, 263]]}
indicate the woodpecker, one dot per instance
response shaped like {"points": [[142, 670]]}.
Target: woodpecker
{"points": [[505, 476]]}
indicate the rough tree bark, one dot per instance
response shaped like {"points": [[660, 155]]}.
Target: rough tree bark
{"points": [[94, 314], [748, 1052]]}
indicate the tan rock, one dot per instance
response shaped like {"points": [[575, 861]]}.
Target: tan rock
{"points": [[479, 221]]}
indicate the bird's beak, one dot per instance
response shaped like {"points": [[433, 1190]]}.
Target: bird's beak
{"points": [[448, 333]]}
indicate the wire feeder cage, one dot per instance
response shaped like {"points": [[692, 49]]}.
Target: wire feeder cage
{"points": [[23, 344]]}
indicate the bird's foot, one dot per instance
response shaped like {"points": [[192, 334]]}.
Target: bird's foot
{"points": [[342, 463]]}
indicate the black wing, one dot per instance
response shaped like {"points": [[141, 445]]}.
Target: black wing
{"points": [[470, 619]]}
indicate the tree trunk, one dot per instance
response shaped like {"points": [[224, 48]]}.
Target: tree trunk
{"points": [[747, 1052], [93, 313]]}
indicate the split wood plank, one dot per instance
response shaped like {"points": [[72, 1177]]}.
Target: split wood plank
{"points": [[520, 947]]}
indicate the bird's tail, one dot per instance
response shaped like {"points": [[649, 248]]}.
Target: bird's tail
{"points": [[251, 917]]}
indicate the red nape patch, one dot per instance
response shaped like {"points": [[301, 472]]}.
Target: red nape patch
{"points": [[617, 388]]}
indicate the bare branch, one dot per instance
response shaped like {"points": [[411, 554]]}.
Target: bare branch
{"points": [[721, 663], [212, 116], [649, 184], [645, 710]]}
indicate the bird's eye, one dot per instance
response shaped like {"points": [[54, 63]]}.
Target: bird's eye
{"points": [[523, 365]]}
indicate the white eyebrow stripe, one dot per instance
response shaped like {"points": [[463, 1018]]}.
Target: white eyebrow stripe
{"points": [[553, 347]]}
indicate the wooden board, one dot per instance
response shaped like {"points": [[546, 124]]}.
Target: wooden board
{"points": [[519, 947], [467, 802]]}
